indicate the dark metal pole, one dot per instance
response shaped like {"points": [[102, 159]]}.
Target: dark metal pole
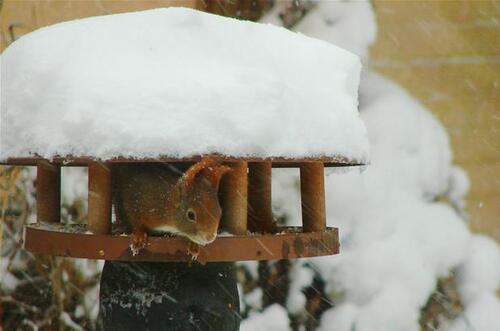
{"points": [[169, 296]]}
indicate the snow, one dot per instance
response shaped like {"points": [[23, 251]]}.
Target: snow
{"points": [[337, 22], [397, 237], [478, 280], [254, 298], [250, 266], [480, 272], [7, 279], [342, 317], [66, 320], [457, 190], [396, 240], [481, 314], [329, 21], [300, 278], [174, 82], [74, 184], [273, 318]]}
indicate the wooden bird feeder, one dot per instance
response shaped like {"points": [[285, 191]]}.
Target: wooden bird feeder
{"points": [[245, 196]]}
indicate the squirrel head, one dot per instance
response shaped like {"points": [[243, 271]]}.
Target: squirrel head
{"points": [[196, 207]]}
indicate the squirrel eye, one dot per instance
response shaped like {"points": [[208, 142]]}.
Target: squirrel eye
{"points": [[191, 215]]}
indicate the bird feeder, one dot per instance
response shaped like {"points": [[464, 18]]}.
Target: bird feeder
{"points": [[246, 202], [161, 86], [84, 115]]}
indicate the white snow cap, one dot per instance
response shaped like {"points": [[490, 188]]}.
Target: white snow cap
{"points": [[178, 82]]}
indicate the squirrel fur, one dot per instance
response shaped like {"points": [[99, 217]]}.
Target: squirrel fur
{"points": [[161, 198]]}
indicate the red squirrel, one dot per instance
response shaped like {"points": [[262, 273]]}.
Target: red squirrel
{"points": [[159, 198]]}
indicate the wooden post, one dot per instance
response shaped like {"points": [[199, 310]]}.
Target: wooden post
{"points": [[234, 198], [260, 213], [99, 215], [48, 192], [312, 189]]}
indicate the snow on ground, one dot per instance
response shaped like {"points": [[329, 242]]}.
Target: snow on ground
{"points": [[173, 82]]}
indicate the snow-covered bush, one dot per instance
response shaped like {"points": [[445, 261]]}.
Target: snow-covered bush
{"points": [[407, 259]]}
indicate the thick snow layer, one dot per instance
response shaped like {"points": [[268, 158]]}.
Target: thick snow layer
{"points": [[178, 82]]}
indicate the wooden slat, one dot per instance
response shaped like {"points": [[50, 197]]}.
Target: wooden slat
{"points": [[99, 199], [260, 214], [48, 192], [312, 187], [234, 198]]}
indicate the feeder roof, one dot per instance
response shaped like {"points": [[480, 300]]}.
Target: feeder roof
{"points": [[178, 82]]}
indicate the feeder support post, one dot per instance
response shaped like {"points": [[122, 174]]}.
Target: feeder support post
{"points": [[48, 192], [99, 215], [312, 189]]}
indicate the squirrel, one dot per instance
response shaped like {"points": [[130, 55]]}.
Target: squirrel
{"points": [[160, 198]]}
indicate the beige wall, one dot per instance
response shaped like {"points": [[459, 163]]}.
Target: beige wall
{"points": [[446, 53], [27, 15]]}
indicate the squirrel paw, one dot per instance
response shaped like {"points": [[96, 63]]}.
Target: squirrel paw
{"points": [[193, 250], [139, 241]]}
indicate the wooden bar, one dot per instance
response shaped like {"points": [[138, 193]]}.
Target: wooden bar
{"points": [[99, 199], [277, 162], [312, 189], [290, 244], [234, 198], [48, 192], [260, 213]]}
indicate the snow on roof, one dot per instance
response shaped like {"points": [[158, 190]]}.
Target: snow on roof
{"points": [[178, 82]]}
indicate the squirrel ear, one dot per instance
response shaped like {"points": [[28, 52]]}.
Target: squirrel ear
{"points": [[215, 173], [190, 174]]}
